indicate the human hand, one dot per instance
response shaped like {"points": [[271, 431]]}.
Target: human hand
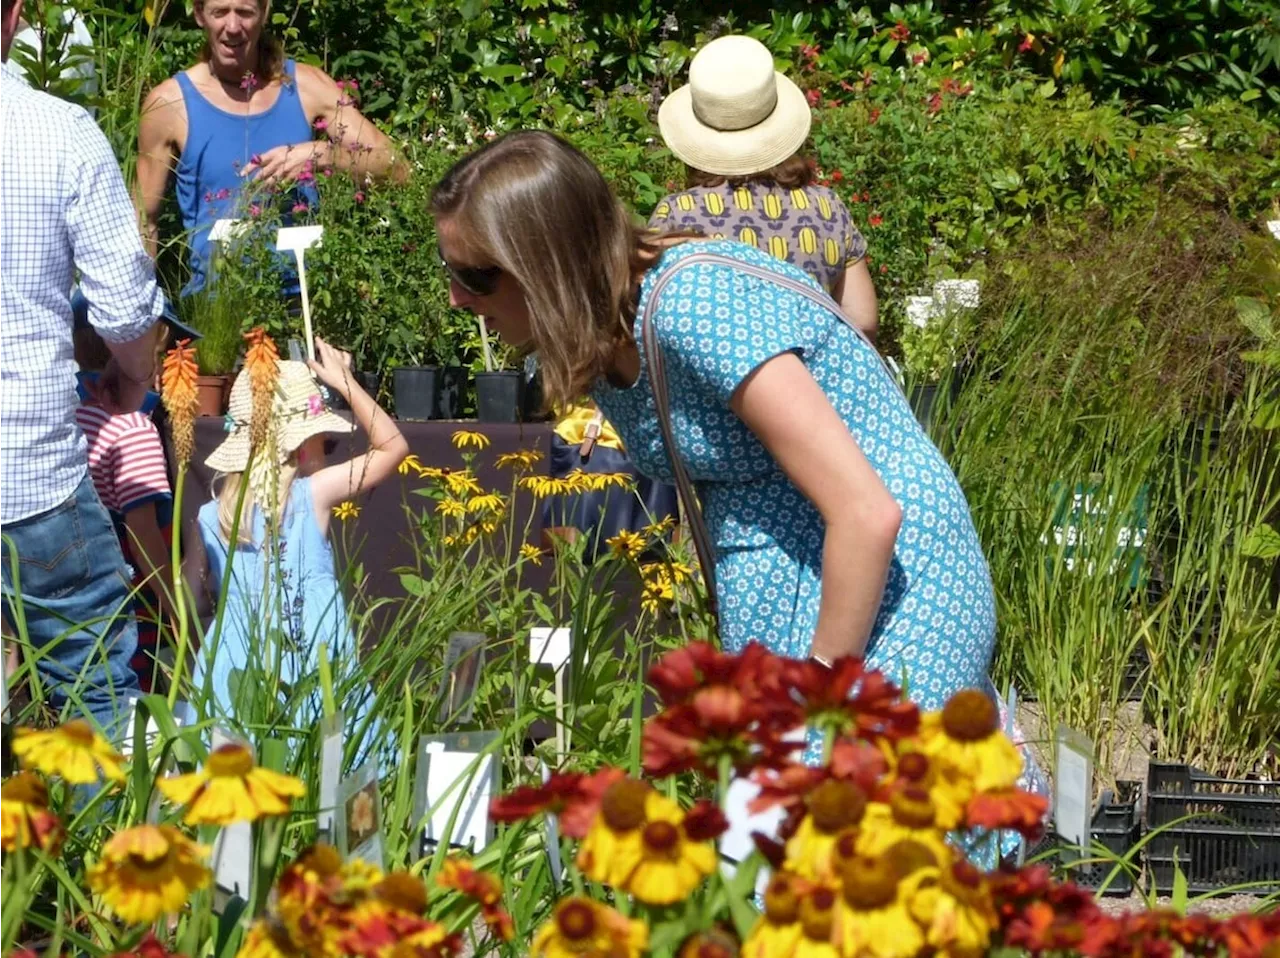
{"points": [[116, 392], [332, 367], [286, 162]]}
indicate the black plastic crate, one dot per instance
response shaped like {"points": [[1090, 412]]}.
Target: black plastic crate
{"points": [[1234, 841], [1116, 826]]}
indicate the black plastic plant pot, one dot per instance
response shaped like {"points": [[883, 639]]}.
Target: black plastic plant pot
{"points": [[368, 382], [415, 392], [499, 396], [451, 389]]}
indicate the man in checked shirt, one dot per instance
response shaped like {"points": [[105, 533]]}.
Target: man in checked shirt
{"points": [[64, 210]]}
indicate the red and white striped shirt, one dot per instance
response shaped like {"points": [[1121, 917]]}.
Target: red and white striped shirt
{"points": [[126, 457]]}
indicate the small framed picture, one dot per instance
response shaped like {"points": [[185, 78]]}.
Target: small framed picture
{"points": [[359, 818], [463, 662]]}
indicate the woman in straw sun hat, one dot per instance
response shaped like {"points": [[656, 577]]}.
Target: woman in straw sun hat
{"points": [[740, 127], [283, 596]]}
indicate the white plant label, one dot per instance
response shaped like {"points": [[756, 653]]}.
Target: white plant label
{"points": [[456, 780], [330, 772], [920, 310], [1073, 787]]}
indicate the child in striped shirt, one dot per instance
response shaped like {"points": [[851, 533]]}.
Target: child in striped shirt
{"points": [[130, 473]]}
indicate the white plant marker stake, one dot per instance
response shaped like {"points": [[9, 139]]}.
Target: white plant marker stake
{"points": [[299, 239], [552, 647]]}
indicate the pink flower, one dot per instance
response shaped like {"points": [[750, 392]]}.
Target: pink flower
{"points": [[884, 268], [249, 82], [321, 124], [359, 196], [327, 171], [255, 210], [315, 405], [222, 194], [300, 208], [256, 159], [813, 96]]}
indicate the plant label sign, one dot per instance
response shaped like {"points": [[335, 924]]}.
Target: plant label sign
{"points": [[359, 816], [463, 661], [330, 773], [456, 778], [1073, 787]]}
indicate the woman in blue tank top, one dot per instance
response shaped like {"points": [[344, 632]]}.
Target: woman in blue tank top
{"points": [[244, 113]]}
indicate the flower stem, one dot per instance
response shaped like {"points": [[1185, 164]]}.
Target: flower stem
{"points": [[179, 588]]}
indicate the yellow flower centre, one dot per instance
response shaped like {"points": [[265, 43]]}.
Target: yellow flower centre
{"points": [[869, 882], [816, 914], [846, 846], [835, 805], [403, 891], [909, 856], [912, 809], [623, 805], [781, 906], [150, 866], [969, 716], [25, 787], [661, 837], [914, 767], [576, 920], [709, 944], [79, 732], [229, 761], [324, 860]]}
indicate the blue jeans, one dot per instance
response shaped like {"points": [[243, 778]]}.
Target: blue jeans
{"points": [[73, 589]]}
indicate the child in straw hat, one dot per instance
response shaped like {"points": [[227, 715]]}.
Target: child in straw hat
{"points": [[283, 597]]}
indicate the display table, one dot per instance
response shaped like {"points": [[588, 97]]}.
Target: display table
{"points": [[381, 536]]}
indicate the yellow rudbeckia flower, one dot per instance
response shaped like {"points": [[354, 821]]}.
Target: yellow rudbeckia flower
{"points": [[670, 865], [874, 920], [835, 806], [581, 926], [777, 933], [612, 845], [230, 788], [488, 502], [957, 912], [346, 510], [910, 815], [451, 507], [25, 818], [462, 483], [626, 545], [73, 750], [522, 460], [409, 462], [531, 552], [464, 438], [966, 742], [148, 871]]}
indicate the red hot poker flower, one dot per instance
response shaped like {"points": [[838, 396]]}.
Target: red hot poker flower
{"points": [[572, 796]]}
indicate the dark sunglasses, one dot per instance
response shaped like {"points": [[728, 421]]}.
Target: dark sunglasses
{"points": [[476, 280]]}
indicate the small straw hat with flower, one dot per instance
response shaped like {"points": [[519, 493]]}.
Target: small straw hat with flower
{"points": [[298, 412]]}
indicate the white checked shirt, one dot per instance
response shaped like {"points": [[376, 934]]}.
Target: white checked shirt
{"points": [[63, 207]]}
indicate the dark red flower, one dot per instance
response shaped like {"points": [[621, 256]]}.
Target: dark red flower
{"points": [[1009, 808], [900, 32], [717, 723], [884, 268], [482, 887], [813, 96], [935, 103], [572, 796], [705, 822], [864, 703], [837, 176], [1028, 41]]}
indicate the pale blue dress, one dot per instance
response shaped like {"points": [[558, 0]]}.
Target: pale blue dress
{"points": [[278, 609], [936, 626]]}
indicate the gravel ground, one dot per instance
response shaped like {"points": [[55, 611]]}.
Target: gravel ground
{"points": [[1229, 905]]}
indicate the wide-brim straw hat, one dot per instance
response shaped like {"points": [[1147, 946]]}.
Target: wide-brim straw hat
{"points": [[737, 115], [298, 413]]}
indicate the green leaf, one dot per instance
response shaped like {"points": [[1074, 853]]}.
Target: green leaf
{"points": [[1047, 89], [886, 51], [557, 65], [1255, 316], [1263, 542], [1179, 901], [1250, 95]]}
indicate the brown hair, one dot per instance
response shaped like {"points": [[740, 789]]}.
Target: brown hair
{"points": [[270, 49], [535, 206], [793, 173]]}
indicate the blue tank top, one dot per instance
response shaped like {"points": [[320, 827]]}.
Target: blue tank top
{"points": [[219, 144]]}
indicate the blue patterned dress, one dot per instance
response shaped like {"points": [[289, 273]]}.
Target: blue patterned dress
{"points": [[936, 625]]}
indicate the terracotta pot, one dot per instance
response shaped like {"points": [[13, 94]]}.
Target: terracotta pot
{"points": [[212, 393]]}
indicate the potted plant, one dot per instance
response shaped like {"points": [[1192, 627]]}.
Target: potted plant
{"points": [[218, 318], [499, 390]]}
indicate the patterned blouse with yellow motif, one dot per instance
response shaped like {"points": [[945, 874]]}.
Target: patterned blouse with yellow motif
{"points": [[809, 228]]}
